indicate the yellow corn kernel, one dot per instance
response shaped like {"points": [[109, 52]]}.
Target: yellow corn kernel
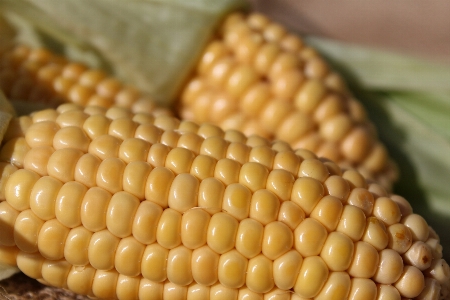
{"points": [[104, 284], [327, 212], [376, 233], [249, 237], [291, 214], [75, 246], [259, 274], [310, 236], [51, 239], [101, 250], [124, 261], [362, 288], [154, 260], [179, 269], [306, 193], [286, 269], [390, 267], [387, 292], [55, 272], [169, 229], [365, 260], [400, 237], [418, 227], [337, 251], [80, 279], [193, 228], [232, 268], [184, 222], [312, 277], [277, 240], [26, 231], [337, 285], [222, 231], [411, 282], [205, 265]]}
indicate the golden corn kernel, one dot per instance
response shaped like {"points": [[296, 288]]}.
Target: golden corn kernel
{"points": [[222, 231], [291, 214], [52, 237], [417, 226], [179, 266], [328, 212], [306, 193], [80, 280], [101, 251], [337, 251], [387, 292], [390, 267], [277, 240], [312, 277], [26, 231], [337, 285], [154, 260], [61, 164], [168, 230], [411, 282], [127, 250], [362, 289], [104, 284], [232, 268], [76, 245], [310, 236], [259, 274], [365, 260], [193, 228], [95, 203], [249, 237], [286, 269]]}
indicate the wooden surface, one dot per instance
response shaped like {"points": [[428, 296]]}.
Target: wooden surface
{"points": [[20, 287]]}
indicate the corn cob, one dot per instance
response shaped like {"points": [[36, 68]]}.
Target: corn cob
{"points": [[112, 204], [257, 77], [39, 76]]}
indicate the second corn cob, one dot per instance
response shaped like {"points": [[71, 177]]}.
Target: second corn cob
{"points": [[36, 75], [119, 205], [257, 77]]}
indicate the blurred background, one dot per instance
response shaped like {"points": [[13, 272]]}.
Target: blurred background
{"points": [[413, 27]]}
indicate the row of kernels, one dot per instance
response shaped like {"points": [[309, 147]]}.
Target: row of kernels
{"points": [[59, 138], [127, 151], [89, 281]]}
